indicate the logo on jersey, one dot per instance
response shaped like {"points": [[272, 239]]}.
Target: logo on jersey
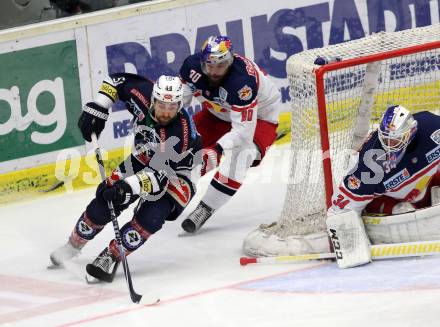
{"points": [[433, 155], [192, 87], [397, 179], [118, 80], [353, 182], [245, 93], [223, 94], [136, 110], [436, 136], [141, 97]]}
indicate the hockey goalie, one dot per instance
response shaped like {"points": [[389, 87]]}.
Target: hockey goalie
{"points": [[396, 178]]}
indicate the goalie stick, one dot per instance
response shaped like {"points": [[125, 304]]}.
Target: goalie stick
{"points": [[378, 252], [135, 297]]}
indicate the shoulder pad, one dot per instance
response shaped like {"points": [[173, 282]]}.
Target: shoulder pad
{"points": [[192, 62], [242, 89]]}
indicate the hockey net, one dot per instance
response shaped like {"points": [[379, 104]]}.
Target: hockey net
{"points": [[333, 108]]}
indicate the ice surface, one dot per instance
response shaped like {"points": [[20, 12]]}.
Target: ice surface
{"points": [[198, 278]]}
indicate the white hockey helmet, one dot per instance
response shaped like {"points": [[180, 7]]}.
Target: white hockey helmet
{"points": [[168, 89], [397, 129]]}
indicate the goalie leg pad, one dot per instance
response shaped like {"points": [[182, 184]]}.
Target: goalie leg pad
{"points": [[350, 241], [418, 225]]}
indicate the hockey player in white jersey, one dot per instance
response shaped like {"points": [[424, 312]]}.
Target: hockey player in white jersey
{"points": [[397, 173], [239, 117]]}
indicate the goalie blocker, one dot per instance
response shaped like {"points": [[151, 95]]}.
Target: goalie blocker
{"points": [[349, 239]]}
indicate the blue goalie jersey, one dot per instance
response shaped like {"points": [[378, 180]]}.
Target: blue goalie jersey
{"points": [[406, 181]]}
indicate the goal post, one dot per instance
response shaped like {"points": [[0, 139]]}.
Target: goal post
{"points": [[334, 106]]}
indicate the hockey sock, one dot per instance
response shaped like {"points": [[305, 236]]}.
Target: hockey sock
{"points": [[220, 191], [133, 236], [84, 231]]}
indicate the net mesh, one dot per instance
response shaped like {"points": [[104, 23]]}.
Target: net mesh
{"points": [[410, 80]]}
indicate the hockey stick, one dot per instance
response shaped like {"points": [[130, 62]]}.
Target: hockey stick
{"points": [[53, 187], [378, 252], [136, 298]]}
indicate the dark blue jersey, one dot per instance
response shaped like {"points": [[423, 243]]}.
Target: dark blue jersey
{"points": [[241, 73], [407, 179], [167, 152], [244, 95], [134, 90]]}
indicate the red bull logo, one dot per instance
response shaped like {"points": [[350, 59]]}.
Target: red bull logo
{"points": [[353, 182], [245, 93]]}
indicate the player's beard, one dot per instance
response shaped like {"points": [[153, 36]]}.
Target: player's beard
{"points": [[164, 119]]}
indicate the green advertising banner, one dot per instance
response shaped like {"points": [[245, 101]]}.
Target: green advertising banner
{"points": [[40, 100]]}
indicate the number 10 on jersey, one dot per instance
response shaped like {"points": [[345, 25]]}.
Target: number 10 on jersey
{"points": [[246, 115]]}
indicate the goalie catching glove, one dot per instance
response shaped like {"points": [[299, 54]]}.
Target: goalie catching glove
{"points": [[92, 120]]}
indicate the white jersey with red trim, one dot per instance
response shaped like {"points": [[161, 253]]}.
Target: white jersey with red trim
{"points": [[406, 180], [245, 95]]}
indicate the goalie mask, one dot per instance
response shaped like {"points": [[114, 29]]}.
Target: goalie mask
{"points": [[396, 130], [167, 98], [217, 50]]}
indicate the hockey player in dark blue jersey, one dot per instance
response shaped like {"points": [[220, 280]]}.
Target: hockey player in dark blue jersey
{"points": [[239, 117], [397, 172], [158, 172]]}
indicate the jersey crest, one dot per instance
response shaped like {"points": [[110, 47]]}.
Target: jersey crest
{"points": [[222, 94], [436, 136], [245, 93], [353, 182]]}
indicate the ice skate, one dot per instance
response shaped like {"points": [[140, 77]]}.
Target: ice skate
{"points": [[197, 218], [66, 252], [103, 268]]}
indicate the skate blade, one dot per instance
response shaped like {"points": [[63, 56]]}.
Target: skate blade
{"points": [[53, 266], [92, 280], [149, 300], [186, 234]]}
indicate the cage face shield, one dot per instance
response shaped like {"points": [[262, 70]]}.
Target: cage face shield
{"points": [[396, 130]]}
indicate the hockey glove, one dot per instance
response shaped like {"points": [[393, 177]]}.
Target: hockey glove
{"points": [[211, 158], [92, 120], [120, 193]]}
